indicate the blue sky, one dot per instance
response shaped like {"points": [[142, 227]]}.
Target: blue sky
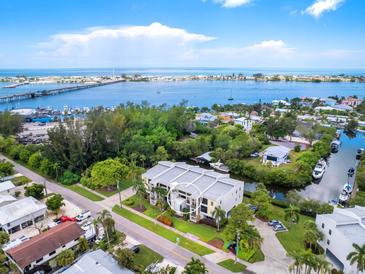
{"points": [[188, 33]]}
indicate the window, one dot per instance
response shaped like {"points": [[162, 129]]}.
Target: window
{"points": [[204, 201], [52, 253], [203, 209], [328, 242], [39, 260], [322, 225], [330, 232]]}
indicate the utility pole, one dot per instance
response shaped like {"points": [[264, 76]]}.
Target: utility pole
{"points": [[237, 245], [120, 197], [45, 187]]}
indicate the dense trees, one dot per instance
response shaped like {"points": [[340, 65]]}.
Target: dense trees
{"points": [[10, 123], [6, 168], [35, 191], [108, 173]]}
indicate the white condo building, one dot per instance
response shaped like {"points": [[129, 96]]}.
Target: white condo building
{"points": [[196, 189], [341, 229]]}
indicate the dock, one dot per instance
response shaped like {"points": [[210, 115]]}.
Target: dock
{"points": [[50, 92]]}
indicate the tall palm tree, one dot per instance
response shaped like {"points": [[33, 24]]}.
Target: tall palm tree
{"points": [[311, 234], [297, 265], [106, 220], [322, 265], [358, 256], [218, 214], [292, 214]]}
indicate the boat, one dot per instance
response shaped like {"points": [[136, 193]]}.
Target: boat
{"points": [[348, 188], [344, 197], [335, 146], [351, 172], [319, 169], [338, 134], [219, 166], [230, 98], [359, 153]]}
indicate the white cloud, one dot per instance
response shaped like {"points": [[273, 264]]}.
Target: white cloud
{"points": [[321, 6], [232, 3], [128, 45]]}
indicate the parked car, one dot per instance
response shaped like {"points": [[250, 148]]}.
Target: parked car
{"points": [[83, 216], [135, 248], [273, 222], [86, 226], [279, 227], [67, 219]]}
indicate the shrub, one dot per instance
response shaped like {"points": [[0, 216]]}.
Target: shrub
{"points": [[6, 168], [35, 160], [280, 203], [35, 191], [69, 178], [165, 219], [129, 202], [21, 180], [297, 148]]}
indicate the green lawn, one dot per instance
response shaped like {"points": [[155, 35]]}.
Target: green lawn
{"points": [[292, 240], [84, 192], [122, 186], [232, 266], [163, 232], [146, 257]]}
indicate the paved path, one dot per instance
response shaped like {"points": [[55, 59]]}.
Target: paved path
{"points": [[276, 261], [167, 249]]}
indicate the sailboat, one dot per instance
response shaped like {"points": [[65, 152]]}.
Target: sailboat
{"points": [[230, 98]]}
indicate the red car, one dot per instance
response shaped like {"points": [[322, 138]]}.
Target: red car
{"points": [[67, 219]]}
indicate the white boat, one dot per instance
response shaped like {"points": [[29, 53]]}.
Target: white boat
{"points": [[335, 146], [219, 166], [344, 197], [319, 169], [348, 188]]}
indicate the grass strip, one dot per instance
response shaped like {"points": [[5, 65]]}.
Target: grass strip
{"points": [[163, 232], [84, 192], [231, 266]]}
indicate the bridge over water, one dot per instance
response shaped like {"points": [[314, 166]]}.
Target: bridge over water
{"points": [[49, 92]]}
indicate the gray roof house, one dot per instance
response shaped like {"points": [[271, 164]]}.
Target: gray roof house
{"points": [[196, 189], [21, 214], [7, 187], [97, 261], [277, 155], [341, 229]]}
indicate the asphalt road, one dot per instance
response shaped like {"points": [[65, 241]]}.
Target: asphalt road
{"points": [[167, 249], [336, 173]]}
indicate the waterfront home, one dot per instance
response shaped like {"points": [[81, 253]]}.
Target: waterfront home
{"points": [[205, 118], [97, 261], [245, 123], [328, 101], [198, 190], [276, 155], [227, 117], [351, 101], [21, 214], [7, 188], [342, 107], [280, 102], [46, 246], [341, 229]]}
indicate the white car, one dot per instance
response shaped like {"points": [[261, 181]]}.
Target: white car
{"points": [[83, 216], [86, 226]]}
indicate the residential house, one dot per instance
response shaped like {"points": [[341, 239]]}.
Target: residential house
{"points": [[328, 101], [280, 102], [97, 261], [193, 188], [6, 199], [7, 188], [205, 118], [276, 155], [351, 101], [341, 229], [343, 107], [44, 247], [21, 214], [245, 123]]}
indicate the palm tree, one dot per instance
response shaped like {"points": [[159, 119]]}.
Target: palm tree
{"points": [[322, 265], [311, 233], [292, 214], [358, 256], [218, 214], [139, 188], [66, 257], [106, 220], [251, 237], [297, 265], [195, 266]]}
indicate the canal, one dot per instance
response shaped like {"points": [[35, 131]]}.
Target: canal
{"points": [[335, 177]]}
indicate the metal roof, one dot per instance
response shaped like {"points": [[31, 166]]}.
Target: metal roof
{"points": [[7, 185], [277, 151]]}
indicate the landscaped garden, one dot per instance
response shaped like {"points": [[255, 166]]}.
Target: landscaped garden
{"points": [[204, 232]]}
